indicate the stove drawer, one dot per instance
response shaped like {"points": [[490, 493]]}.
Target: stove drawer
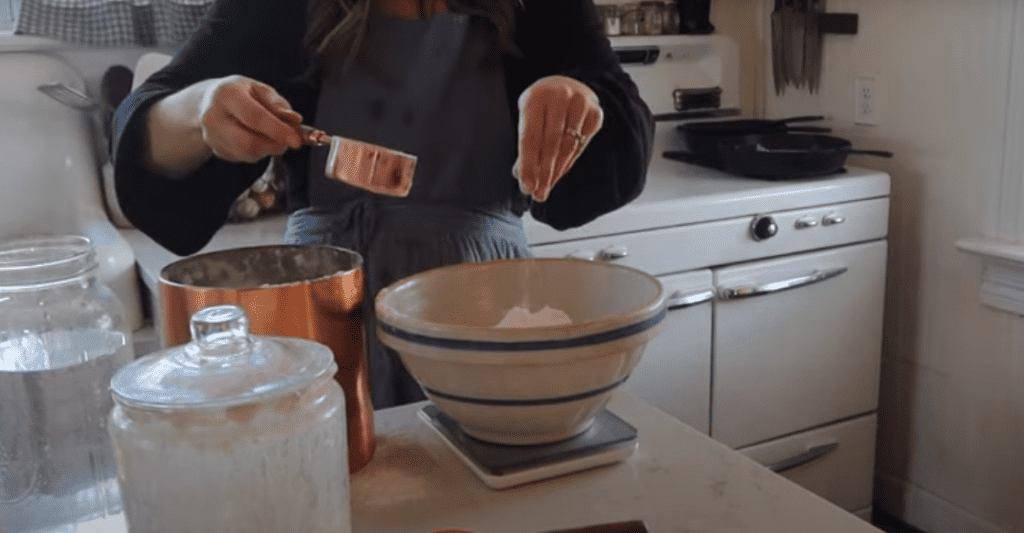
{"points": [[836, 462]]}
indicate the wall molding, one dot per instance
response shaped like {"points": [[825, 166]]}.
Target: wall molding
{"points": [[1002, 273], [1009, 224], [924, 510], [1001, 249]]}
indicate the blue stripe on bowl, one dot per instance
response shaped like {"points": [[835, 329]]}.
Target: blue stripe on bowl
{"points": [[526, 403], [524, 346]]}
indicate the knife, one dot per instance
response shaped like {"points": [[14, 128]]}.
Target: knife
{"points": [[796, 44], [778, 71], [813, 45]]}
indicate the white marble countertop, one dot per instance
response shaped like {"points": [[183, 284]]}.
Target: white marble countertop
{"points": [[679, 480]]}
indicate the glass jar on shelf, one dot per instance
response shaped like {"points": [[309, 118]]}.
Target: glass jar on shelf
{"points": [[670, 18], [609, 14], [62, 337], [630, 18], [652, 19]]}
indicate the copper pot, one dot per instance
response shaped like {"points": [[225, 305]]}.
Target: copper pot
{"points": [[313, 292]]}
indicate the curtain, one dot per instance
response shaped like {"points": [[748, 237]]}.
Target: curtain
{"points": [[112, 23]]}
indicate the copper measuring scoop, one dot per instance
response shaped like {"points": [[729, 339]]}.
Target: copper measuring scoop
{"points": [[368, 166]]}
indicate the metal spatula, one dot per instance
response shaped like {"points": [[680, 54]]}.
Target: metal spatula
{"points": [[377, 169]]}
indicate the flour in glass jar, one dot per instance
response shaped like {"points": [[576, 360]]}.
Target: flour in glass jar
{"points": [[244, 471]]}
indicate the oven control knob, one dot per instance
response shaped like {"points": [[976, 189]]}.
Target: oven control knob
{"points": [[763, 227], [832, 219], [613, 253]]}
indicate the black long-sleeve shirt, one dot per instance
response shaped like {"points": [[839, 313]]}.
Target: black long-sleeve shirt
{"points": [[262, 39]]}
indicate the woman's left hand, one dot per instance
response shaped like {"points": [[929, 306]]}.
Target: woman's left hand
{"points": [[558, 116]]}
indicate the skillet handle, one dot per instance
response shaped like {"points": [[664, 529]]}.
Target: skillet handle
{"points": [[877, 153], [802, 118], [808, 129]]}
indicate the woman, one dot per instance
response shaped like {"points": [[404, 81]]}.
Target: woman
{"points": [[448, 81]]}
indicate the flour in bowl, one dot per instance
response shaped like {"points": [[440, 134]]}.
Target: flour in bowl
{"points": [[520, 317]]}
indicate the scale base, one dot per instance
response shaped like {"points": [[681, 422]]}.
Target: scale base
{"points": [[609, 440]]}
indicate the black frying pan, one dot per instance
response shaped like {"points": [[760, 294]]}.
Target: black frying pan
{"points": [[703, 137], [788, 155]]}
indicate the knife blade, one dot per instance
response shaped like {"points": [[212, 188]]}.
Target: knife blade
{"points": [[813, 48], [797, 19], [778, 75], [784, 40]]}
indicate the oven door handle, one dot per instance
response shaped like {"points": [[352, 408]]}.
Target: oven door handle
{"points": [[747, 291], [679, 300], [811, 454]]}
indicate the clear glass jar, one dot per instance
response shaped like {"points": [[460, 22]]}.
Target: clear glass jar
{"points": [[609, 14], [630, 19], [670, 22], [61, 340], [232, 433], [652, 17]]}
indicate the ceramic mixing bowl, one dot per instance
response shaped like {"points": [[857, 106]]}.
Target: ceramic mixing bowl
{"points": [[525, 351]]}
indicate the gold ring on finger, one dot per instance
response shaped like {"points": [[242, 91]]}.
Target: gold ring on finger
{"points": [[575, 135]]}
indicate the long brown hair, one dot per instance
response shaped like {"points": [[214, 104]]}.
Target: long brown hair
{"points": [[335, 28]]}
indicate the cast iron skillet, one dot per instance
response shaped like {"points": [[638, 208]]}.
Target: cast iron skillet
{"points": [[788, 155], [703, 137]]}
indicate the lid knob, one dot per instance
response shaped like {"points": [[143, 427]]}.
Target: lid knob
{"points": [[221, 330]]}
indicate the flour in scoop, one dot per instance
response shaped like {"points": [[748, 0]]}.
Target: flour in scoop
{"points": [[520, 317]]}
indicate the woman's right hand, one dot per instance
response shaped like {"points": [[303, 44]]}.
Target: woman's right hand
{"points": [[244, 120], [234, 118]]}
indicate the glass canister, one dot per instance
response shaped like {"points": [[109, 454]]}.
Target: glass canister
{"points": [[652, 20], [670, 18], [630, 19], [232, 432], [61, 340], [609, 14]]}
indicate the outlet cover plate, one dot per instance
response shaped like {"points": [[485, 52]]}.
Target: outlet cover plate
{"points": [[865, 101]]}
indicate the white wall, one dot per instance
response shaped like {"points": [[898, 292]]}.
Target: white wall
{"points": [[951, 437]]}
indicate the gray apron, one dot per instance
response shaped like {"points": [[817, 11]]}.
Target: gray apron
{"points": [[436, 89]]}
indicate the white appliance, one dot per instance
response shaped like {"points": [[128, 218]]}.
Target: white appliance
{"points": [[51, 164], [776, 288]]}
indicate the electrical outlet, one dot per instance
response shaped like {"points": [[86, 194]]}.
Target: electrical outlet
{"points": [[865, 101]]}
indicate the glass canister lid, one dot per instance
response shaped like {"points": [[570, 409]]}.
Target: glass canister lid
{"points": [[223, 366]]}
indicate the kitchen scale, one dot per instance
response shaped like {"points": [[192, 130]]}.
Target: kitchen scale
{"points": [[609, 440]]}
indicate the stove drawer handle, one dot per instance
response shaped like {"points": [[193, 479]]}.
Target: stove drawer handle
{"points": [[812, 453], [678, 300], [747, 291]]}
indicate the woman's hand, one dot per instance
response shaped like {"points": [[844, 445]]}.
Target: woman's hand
{"points": [[557, 118], [235, 118], [243, 120]]}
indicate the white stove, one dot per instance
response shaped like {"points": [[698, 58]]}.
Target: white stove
{"points": [[773, 342]]}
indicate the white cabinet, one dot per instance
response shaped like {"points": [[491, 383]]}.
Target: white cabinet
{"points": [[674, 374], [795, 358]]}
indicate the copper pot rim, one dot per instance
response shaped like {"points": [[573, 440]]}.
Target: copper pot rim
{"points": [[356, 267]]}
